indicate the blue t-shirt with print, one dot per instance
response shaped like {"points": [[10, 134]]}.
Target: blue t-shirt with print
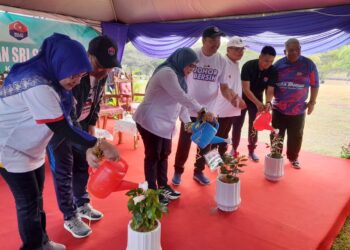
{"points": [[293, 83]]}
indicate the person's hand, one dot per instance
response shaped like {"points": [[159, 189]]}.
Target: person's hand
{"points": [[91, 158], [260, 107], [268, 106], [241, 104], [188, 127], [310, 107], [209, 117], [91, 130], [109, 151]]}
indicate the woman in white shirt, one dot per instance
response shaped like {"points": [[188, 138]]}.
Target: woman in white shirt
{"points": [[165, 99], [35, 102]]}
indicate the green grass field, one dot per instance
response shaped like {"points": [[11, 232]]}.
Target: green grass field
{"points": [[327, 130]]}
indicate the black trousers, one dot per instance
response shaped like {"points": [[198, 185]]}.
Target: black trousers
{"points": [[237, 128], [157, 151], [70, 174], [27, 189], [183, 150], [294, 125], [225, 125]]}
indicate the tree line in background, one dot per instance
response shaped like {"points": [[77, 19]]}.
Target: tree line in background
{"points": [[334, 64]]}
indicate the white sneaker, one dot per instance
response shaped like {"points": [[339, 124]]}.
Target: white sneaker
{"points": [[88, 212], [77, 227], [51, 245]]}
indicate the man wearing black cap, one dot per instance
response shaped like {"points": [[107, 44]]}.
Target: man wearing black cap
{"points": [[204, 84], [68, 163]]}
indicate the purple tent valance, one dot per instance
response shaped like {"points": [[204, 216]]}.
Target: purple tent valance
{"points": [[318, 31]]}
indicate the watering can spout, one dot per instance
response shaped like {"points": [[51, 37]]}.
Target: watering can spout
{"points": [[126, 185], [217, 140]]}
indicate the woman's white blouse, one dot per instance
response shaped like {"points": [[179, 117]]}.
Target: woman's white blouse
{"points": [[164, 101]]}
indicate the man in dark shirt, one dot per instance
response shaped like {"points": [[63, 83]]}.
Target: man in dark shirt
{"points": [[67, 160], [256, 75]]}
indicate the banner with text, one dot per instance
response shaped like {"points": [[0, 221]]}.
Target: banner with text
{"points": [[21, 36]]}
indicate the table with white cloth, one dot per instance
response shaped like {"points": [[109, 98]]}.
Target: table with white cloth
{"points": [[127, 125]]}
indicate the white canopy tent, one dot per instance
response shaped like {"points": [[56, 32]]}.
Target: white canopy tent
{"points": [[138, 11]]}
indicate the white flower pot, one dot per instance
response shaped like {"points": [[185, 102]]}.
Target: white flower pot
{"points": [[228, 195], [273, 168], [144, 240]]}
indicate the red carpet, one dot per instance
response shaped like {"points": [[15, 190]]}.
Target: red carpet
{"points": [[305, 210]]}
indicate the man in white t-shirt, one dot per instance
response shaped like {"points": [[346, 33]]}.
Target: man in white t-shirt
{"points": [[228, 111], [204, 85]]}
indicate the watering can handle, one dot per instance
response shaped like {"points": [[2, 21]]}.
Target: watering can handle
{"points": [[92, 170], [216, 124]]}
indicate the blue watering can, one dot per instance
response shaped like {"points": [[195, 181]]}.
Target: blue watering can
{"points": [[204, 134]]}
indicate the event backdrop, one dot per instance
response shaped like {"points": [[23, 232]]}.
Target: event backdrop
{"points": [[21, 36]]}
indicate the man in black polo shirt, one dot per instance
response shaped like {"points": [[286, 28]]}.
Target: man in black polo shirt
{"points": [[256, 75]]}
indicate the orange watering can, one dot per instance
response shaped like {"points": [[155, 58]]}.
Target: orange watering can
{"points": [[262, 122], [108, 178]]}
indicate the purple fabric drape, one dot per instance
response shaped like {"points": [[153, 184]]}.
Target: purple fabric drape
{"points": [[318, 31]]}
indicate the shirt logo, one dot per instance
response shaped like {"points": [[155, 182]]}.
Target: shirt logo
{"points": [[111, 51], [205, 74]]}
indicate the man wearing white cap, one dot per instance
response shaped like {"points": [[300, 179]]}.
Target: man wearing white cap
{"points": [[226, 110]]}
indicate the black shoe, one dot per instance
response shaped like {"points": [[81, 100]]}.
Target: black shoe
{"points": [[162, 199], [295, 164], [170, 193]]}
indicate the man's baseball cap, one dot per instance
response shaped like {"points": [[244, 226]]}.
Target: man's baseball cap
{"points": [[212, 32], [104, 49], [236, 41]]}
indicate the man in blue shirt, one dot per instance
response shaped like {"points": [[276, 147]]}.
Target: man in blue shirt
{"points": [[296, 76]]}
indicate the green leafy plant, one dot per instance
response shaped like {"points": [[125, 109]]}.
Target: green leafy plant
{"points": [[345, 151], [145, 208], [276, 146], [230, 168]]}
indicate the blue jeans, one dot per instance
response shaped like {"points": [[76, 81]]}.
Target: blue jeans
{"points": [[27, 189]]}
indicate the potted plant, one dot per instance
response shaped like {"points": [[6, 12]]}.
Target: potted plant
{"points": [[228, 195], [144, 229], [274, 161]]}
